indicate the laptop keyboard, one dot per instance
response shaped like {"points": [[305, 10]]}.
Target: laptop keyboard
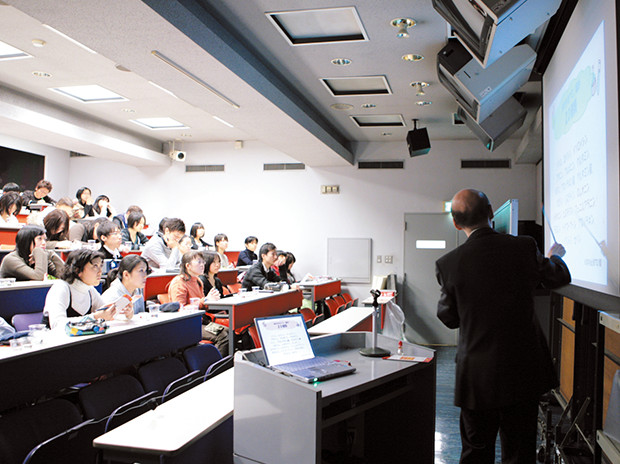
{"points": [[305, 364]]}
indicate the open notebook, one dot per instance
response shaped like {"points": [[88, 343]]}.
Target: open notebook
{"points": [[287, 349]]}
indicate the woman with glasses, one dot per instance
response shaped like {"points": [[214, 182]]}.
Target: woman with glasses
{"points": [[75, 295]]}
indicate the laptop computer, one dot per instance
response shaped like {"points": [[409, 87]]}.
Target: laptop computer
{"points": [[288, 350]]}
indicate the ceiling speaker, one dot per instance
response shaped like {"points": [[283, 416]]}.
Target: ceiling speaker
{"points": [[418, 142]]}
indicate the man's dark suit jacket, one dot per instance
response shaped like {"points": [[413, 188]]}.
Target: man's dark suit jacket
{"points": [[487, 287], [257, 276]]}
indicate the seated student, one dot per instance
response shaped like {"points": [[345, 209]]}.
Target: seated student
{"points": [[185, 245], [109, 235], [221, 243], [209, 279], [75, 295], [285, 269], [40, 194], [10, 204], [129, 278], [103, 208], [187, 285], [247, 256], [261, 273], [57, 229], [162, 250], [280, 260], [121, 219], [11, 187], [85, 231], [133, 233], [30, 260], [197, 232], [68, 206], [85, 202]]}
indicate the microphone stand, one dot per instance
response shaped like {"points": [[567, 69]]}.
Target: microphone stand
{"points": [[374, 351]]}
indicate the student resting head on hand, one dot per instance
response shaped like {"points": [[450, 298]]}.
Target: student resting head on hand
{"points": [[30, 260]]}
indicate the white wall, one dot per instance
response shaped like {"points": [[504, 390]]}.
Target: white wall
{"points": [[286, 207], [56, 163]]}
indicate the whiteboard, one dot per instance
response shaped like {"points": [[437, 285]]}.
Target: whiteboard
{"points": [[349, 259]]}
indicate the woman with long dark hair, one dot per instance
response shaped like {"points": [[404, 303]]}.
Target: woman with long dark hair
{"points": [[10, 204], [57, 229], [103, 208], [30, 260], [85, 201]]}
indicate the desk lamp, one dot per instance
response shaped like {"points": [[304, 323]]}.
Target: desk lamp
{"points": [[374, 351]]}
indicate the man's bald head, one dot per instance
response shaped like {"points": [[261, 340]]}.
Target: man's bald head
{"points": [[471, 209]]}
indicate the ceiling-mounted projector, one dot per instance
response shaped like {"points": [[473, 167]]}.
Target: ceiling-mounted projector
{"points": [[500, 124], [490, 28], [481, 91]]}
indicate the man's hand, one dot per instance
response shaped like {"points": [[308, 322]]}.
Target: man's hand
{"points": [[556, 249]]}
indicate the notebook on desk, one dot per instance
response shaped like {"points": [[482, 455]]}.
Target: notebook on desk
{"points": [[288, 350]]}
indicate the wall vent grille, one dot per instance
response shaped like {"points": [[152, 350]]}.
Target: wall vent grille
{"points": [[485, 164], [75, 154], [205, 168], [283, 166], [381, 165]]}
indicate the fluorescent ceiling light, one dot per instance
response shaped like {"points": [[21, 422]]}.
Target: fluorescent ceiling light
{"points": [[159, 123], [89, 94], [162, 89], [81, 45], [223, 122], [8, 52], [430, 244]]}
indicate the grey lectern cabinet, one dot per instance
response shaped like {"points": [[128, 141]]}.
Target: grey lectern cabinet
{"points": [[383, 413]]}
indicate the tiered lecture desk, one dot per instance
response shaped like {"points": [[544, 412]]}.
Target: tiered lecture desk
{"points": [[354, 319], [61, 361], [244, 307], [193, 427], [382, 413], [321, 289]]}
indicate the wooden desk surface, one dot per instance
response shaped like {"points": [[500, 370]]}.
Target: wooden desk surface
{"points": [[177, 423]]}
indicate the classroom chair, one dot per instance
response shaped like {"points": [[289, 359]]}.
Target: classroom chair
{"points": [[200, 357], [181, 385], [309, 316], [22, 430], [73, 446], [157, 375], [23, 320], [332, 306], [220, 366], [130, 410], [100, 398]]}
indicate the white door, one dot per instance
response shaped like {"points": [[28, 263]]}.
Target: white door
{"points": [[428, 236]]}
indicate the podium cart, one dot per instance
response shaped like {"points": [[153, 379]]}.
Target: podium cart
{"points": [[382, 413]]}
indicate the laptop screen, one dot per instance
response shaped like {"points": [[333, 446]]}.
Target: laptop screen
{"points": [[284, 339]]}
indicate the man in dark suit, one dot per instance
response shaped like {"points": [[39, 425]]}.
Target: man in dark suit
{"points": [[261, 273], [503, 364]]}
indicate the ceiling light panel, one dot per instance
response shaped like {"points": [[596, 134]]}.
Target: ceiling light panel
{"points": [[89, 94], [8, 52], [351, 86], [329, 25], [379, 120], [159, 123]]}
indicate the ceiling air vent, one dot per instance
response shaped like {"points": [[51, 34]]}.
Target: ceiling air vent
{"points": [[283, 166], [485, 164], [205, 168], [75, 154], [381, 165]]}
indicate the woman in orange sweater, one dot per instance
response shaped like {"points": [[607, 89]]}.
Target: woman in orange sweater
{"points": [[187, 285]]}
